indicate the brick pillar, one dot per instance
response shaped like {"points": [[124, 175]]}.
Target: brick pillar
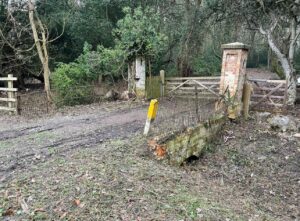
{"points": [[233, 73]]}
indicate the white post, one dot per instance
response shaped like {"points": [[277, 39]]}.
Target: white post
{"points": [[140, 78], [10, 94]]}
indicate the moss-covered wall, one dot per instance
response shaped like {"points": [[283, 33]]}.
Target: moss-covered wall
{"points": [[193, 141]]}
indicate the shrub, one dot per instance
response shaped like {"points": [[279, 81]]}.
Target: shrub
{"points": [[72, 82], [71, 85], [207, 65]]}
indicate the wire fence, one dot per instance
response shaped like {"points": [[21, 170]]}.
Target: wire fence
{"points": [[177, 114], [35, 103], [181, 112]]}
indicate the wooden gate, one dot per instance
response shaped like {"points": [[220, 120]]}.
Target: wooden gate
{"points": [[8, 102], [202, 87], [153, 87], [269, 95]]}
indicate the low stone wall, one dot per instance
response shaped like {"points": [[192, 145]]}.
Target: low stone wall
{"points": [[178, 147]]}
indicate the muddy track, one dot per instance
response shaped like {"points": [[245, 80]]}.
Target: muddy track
{"points": [[60, 147], [11, 134], [70, 134], [31, 144]]}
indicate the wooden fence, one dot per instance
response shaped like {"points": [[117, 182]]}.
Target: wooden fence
{"points": [[10, 102], [268, 94], [202, 87]]}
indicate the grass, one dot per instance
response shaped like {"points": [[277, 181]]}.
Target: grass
{"points": [[41, 137], [238, 158], [119, 179], [115, 179], [34, 139], [192, 206], [5, 144]]}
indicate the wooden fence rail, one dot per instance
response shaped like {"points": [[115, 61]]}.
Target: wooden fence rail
{"points": [[11, 99], [268, 94], [202, 87]]}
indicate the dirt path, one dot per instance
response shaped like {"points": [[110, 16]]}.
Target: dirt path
{"points": [[28, 143]]}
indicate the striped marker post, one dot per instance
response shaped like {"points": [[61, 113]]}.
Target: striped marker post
{"points": [[151, 115]]}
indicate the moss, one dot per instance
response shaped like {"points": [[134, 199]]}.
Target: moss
{"points": [[140, 93], [194, 140]]}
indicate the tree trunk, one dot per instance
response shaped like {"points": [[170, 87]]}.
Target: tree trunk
{"points": [[287, 69], [41, 48], [131, 76]]}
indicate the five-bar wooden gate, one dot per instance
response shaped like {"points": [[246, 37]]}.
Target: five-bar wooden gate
{"points": [[203, 87], [268, 94]]}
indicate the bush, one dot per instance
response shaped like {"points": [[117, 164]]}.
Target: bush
{"points": [[72, 82], [71, 85], [136, 34], [207, 65], [297, 61]]}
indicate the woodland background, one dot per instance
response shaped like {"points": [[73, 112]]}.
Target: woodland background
{"points": [[91, 40]]}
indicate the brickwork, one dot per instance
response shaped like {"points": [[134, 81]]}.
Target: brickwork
{"points": [[233, 73]]}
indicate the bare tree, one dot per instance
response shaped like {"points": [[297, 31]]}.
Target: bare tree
{"points": [[14, 34], [279, 22], [41, 44], [286, 59]]}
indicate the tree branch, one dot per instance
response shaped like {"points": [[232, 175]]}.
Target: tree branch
{"points": [[11, 46], [61, 34]]}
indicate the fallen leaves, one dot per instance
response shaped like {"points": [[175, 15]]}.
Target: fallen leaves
{"points": [[41, 210], [24, 206], [297, 135], [76, 202], [159, 150], [9, 212], [228, 136], [63, 216]]}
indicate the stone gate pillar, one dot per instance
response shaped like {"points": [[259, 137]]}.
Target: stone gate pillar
{"points": [[140, 79], [233, 74], [137, 77]]}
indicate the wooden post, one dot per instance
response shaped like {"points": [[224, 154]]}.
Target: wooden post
{"points": [[197, 104], [246, 99], [18, 104], [286, 94], [10, 93], [162, 78]]}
